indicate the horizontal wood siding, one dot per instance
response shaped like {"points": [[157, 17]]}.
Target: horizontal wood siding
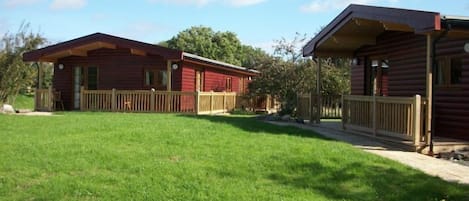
{"points": [[406, 53], [214, 79], [357, 78], [117, 68], [188, 77], [452, 104]]}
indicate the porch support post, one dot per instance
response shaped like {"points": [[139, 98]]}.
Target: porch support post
{"points": [[169, 77], [429, 92], [40, 75], [318, 93]]}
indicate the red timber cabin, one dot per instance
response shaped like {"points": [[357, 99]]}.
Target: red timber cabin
{"points": [[401, 57], [105, 62]]}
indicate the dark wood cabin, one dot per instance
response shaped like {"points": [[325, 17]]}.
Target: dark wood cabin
{"points": [[104, 62], [401, 53]]}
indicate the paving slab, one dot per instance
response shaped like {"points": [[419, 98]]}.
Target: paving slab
{"points": [[444, 169]]}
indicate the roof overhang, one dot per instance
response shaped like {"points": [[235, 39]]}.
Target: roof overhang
{"points": [[360, 25], [218, 64], [81, 46]]}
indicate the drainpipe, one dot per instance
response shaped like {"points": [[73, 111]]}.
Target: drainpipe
{"points": [[434, 65]]}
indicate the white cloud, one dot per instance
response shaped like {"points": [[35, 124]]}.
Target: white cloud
{"points": [[317, 6], [16, 3], [67, 4], [240, 3], [200, 3]]}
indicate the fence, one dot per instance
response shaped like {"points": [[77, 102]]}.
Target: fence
{"points": [[157, 101], [398, 117], [44, 99], [331, 107]]}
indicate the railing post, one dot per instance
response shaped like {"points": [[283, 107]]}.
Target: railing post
{"points": [[416, 117], [113, 100], [50, 100], [36, 99], [197, 101], [373, 110], [224, 102], [211, 101], [344, 112], [152, 100], [82, 99], [311, 108]]}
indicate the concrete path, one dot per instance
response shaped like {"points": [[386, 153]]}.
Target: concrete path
{"points": [[446, 170]]}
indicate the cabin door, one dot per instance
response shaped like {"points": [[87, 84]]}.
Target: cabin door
{"points": [[199, 83], [377, 76], [86, 77]]}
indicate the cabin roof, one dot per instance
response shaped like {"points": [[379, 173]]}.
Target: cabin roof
{"points": [[359, 25], [80, 47]]}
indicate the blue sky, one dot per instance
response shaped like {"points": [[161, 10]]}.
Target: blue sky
{"points": [[256, 22]]}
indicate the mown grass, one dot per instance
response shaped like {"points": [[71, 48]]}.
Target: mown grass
{"points": [[24, 102], [106, 156]]}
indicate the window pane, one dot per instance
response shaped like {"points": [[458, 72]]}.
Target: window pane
{"points": [[92, 78], [456, 70], [149, 78], [163, 78]]}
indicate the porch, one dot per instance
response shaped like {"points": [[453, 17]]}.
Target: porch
{"points": [[154, 101], [396, 121]]}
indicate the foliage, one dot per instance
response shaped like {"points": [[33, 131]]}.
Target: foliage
{"points": [[287, 73], [221, 46], [15, 75], [118, 156]]}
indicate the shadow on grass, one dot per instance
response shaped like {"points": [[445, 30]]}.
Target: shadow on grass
{"points": [[252, 124], [359, 181]]}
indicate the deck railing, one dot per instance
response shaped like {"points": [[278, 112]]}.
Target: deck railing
{"points": [[331, 106], [157, 101], [397, 117], [44, 99]]}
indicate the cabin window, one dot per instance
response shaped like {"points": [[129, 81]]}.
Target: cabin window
{"points": [[228, 86], [156, 78], [449, 71], [92, 78]]}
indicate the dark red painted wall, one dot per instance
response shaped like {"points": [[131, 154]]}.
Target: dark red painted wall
{"points": [[117, 68], [214, 79], [406, 53]]}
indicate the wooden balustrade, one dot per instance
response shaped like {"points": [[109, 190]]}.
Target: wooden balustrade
{"points": [[212, 102], [397, 117], [157, 101], [331, 106], [44, 100]]}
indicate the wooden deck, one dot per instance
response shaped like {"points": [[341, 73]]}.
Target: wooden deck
{"points": [[440, 144], [156, 101], [398, 119]]}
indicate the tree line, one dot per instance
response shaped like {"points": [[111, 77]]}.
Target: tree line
{"points": [[284, 73]]}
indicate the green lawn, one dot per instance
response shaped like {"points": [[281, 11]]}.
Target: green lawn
{"points": [[106, 156], [24, 102]]}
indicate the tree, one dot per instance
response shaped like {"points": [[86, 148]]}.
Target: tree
{"points": [[221, 46], [287, 73], [16, 75]]}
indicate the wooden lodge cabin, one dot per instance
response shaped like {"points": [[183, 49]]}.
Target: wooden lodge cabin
{"points": [[105, 72], [409, 72]]}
